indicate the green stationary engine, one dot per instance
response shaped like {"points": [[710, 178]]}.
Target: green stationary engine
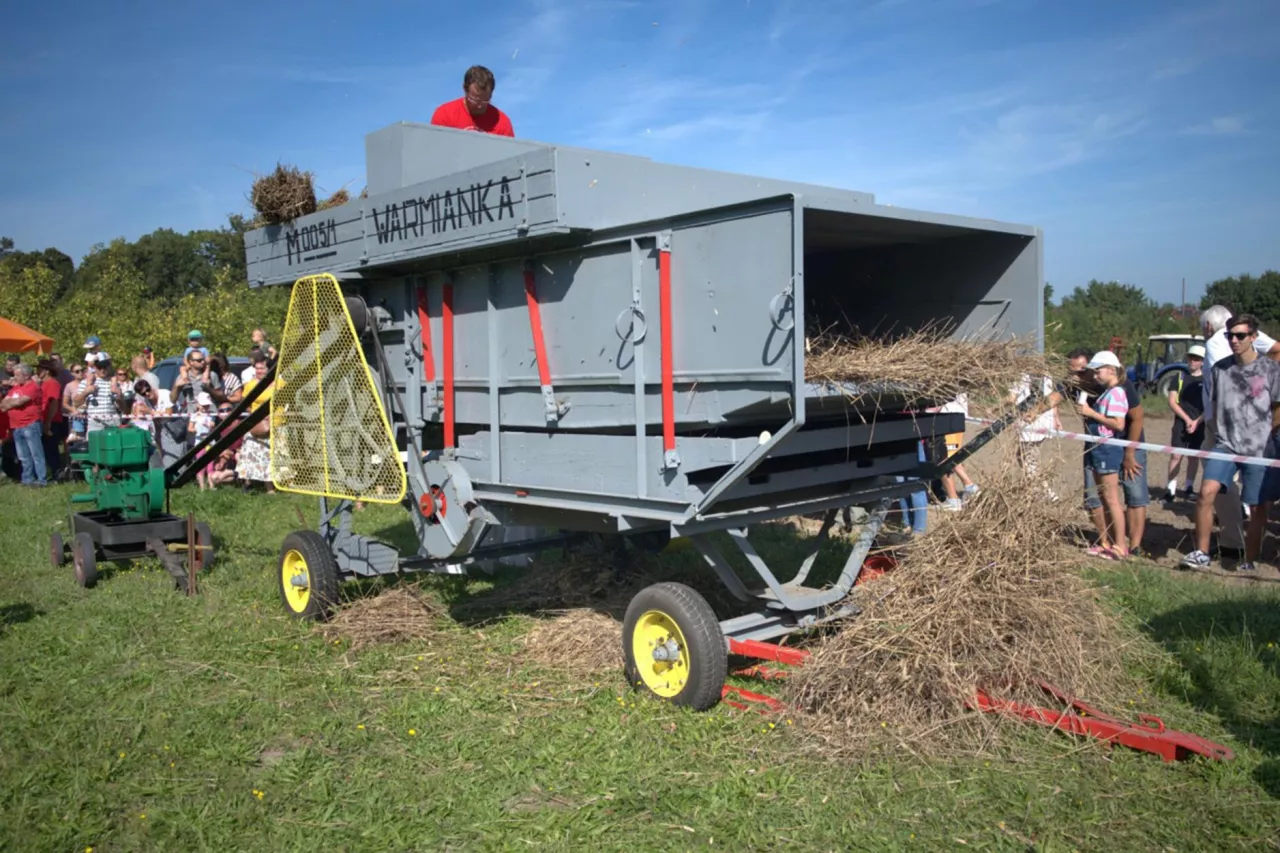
{"points": [[117, 467]]}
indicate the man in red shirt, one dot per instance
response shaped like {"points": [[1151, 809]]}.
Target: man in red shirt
{"points": [[473, 111], [24, 405], [54, 427]]}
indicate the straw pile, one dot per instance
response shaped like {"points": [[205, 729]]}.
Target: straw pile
{"points": [[989, 599], [928, 364], [580, 641], [339, 198], [398, 614], [283, 195]]}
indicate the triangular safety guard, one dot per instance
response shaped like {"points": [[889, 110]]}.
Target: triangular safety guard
{"points": [[330, 435]]}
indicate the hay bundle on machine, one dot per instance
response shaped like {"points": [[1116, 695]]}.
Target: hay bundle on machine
{"points": [[283, 195], [928, 364], [338, 199], [990, 599]]}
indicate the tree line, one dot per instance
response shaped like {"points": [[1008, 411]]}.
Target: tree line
{"points": [[148, 292], [151, 291], [1092, 315]]}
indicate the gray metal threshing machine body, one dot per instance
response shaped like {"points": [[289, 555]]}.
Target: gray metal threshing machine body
{"points": [[589, 341]]}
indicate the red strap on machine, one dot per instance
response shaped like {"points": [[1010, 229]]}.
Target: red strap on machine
{"points": [[446, 317], [424, 320], [668, 383], [535, 325]]}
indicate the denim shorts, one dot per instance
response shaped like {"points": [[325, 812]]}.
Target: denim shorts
{"points": [[1105, 459], [1108, 459], [1258, 484]]}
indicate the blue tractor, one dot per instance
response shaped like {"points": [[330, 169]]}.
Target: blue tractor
{"points": [[1163, 363]]}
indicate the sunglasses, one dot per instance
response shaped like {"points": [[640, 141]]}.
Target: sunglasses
{"points": [[1239, 336]]}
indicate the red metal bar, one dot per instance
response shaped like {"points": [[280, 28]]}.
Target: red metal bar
{"points": [[762, 672], [446, 317], [767, 651], [535, 325], [668, 381], [768, 702], [1152, 737], [424, 320]]}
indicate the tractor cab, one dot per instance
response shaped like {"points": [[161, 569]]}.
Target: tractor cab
{"points": [[1162, 363]]}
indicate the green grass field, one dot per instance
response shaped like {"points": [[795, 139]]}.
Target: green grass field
{"points": [[134, 718]]}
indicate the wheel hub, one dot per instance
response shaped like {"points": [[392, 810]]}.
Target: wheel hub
{"points": [[660, 652]]}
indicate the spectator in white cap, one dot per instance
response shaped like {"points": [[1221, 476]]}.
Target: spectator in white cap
{"points": [[1109, 414], [1245, 405], [1186, 400], [95, 392], [1213, 321], [199, 424]]}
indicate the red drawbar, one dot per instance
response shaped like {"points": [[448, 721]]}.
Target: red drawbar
{"points": [[1150, 735], [769, 703], [767, 651], [424, 320], [668, 382], [446, 317], [535, 326]]}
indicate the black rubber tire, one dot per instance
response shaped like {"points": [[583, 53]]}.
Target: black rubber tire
{"points": [[204, 537], [322, 571], [707, 651], [84, 554], [1168, 382], [57, 550]]}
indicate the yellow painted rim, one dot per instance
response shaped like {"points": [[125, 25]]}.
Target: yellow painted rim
{"points": [[664, 678], [294, 565]]}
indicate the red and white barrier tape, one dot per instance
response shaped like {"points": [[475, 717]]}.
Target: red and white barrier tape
{"points": [[1141, 445]]}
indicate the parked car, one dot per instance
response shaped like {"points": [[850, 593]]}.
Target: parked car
{"points": [[166, 370]]}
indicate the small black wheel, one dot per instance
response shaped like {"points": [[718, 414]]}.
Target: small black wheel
{"points": [[674, 647], [84, 553], [57, 550], [202, 559], [308, 576]]}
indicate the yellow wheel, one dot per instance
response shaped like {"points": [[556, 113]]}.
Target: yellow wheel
{"points": [[308, 576], [674, 647]]}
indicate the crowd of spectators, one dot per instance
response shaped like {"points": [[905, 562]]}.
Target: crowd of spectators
{"points": [[49, 408]]}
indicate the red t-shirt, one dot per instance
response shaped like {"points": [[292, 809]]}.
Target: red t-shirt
{"points": [[52, 390], [455, 114], [28, 412]]}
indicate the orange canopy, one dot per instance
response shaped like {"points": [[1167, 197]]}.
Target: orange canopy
{"points": [[15, 337]]}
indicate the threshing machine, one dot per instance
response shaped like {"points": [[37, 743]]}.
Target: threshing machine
{"points": [[509, 337]]}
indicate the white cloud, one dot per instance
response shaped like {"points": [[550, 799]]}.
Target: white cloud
{"points": [[1219, 126]]}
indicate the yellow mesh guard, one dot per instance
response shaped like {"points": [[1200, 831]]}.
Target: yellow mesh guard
{"points": [[329, 432]]}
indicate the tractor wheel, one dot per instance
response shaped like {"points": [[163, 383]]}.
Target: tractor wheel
{"points": [[84, 553], [1169, 382], [308, 576], [205, 553], [57, 550], [673, 646]]}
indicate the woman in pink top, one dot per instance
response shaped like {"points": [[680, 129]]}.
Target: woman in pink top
{"points": [[1105, 459]]}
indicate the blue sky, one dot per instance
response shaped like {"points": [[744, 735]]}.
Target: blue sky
{"points": [[1141, 136]]}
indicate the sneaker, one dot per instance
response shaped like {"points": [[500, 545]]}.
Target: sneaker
{"points": [[1247, 567], [1195, 560], [972, 490], [953, 505]]}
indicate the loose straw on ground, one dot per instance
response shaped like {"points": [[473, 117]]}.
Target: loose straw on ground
{"points": [[991, 598]]}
